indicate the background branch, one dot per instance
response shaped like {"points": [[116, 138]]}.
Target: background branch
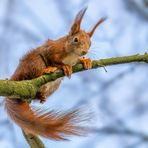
{"points": [[33, 141]]}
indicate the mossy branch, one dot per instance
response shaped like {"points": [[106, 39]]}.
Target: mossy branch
{"points": [[29, 88]]}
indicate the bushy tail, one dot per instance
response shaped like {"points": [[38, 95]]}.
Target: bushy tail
{"points": [[51, 124]]}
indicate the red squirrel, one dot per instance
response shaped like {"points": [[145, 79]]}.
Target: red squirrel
{"points": [[62, 54]]}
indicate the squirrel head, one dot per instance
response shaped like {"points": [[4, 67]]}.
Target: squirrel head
{"points": [[78, 41]]}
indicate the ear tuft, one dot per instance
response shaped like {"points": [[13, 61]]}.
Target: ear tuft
{"points": [[77, 22], [97, 24]]}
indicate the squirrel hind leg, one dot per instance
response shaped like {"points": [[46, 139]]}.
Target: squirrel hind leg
{"points": [[48, 89], [49, 69], [41, 96]]}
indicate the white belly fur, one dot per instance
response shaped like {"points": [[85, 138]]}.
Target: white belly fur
{"points": [[71, 59]]}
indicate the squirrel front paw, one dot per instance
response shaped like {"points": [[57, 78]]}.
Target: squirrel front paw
{"points": [[67, 70], [87, 62]]}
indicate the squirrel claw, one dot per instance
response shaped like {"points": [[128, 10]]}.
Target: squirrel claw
{"points": [[41, 97], [87, 62], [67, 70], [49, 70]]}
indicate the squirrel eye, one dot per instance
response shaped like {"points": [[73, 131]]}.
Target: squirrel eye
{"points": [[75, 39]]}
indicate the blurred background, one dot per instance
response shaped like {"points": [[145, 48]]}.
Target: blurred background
{"points": [[118, 98]]}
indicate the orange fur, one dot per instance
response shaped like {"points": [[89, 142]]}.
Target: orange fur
{"points": [[64, 52], [51, 124]]}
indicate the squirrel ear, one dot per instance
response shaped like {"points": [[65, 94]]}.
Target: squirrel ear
{"points": [[77, 22], [97, 24]]}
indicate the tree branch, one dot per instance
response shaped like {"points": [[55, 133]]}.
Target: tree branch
{"points": [[29, 88]]}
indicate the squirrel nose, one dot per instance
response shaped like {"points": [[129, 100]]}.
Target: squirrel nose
{"points": [[84, 52]]}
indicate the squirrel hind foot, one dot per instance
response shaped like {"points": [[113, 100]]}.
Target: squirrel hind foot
{"points": [[49, 70], [41, 96]]}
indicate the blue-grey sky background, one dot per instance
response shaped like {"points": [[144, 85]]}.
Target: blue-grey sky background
{"points": [[118, 98]]}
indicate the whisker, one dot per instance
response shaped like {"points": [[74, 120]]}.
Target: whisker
{"points": [[93, 54], [95, 47]]}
